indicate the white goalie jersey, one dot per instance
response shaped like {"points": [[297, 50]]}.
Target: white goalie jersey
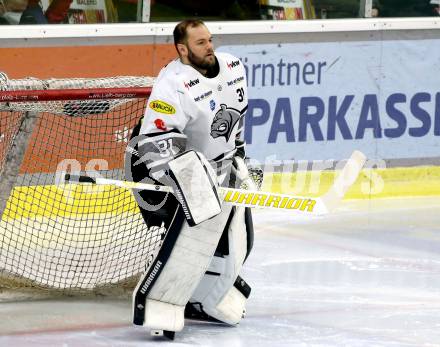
{"points": [[209, 111], [191, 119]]}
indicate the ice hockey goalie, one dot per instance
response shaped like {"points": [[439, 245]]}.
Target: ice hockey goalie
{"points": [[189, 139]]}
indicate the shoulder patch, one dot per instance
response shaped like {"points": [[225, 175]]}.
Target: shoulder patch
{"points": [[233, 63], [160, 124], [162, 107]]}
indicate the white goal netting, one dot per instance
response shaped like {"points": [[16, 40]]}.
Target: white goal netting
{"points": [[69, 237]]}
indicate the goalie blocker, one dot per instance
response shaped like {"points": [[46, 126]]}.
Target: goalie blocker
{"points": [[204, 247], [195, 185]]}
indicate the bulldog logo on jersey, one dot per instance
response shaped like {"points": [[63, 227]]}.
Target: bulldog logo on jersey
{"points": [[224, 122]]}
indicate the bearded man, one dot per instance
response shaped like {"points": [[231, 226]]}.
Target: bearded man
{"points": [[189, 138]]}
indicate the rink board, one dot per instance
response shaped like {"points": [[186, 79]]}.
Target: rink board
{"points": [[371, 183]]}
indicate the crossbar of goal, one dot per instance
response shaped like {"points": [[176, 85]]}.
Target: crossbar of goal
{"points": [[74, 94]]}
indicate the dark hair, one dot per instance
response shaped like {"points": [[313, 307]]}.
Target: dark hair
{"points": [[180, 31]]}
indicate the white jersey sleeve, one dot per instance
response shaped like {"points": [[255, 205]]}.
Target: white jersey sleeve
{"points": [[164, 109]]}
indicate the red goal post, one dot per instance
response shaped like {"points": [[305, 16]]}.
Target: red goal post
{"points": [[32, 94]]}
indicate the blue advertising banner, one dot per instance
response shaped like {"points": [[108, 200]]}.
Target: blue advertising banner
{"points": [[318, 101]]}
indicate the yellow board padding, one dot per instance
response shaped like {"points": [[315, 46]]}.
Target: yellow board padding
{"points": [[76, 200], [71, 200], [371, 183]]}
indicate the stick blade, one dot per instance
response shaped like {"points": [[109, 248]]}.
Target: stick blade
{"points": [[346, 178]]}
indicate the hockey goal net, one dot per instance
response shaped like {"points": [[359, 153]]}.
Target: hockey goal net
{"points": [[69, 237]]}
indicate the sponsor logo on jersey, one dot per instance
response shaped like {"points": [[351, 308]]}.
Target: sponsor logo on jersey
{"points": [[160, 124], [233, 64], [203, 96], [235, 81], [191, 83], [162, 107], [212, 104], [224, 122]]}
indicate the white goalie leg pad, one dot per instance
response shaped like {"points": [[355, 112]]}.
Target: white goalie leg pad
{"points": [[180, 274], [216, 292], [163, 316], [195, 185]]}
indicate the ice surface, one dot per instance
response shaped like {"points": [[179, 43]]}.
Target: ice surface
{"points": [[366, 275]]}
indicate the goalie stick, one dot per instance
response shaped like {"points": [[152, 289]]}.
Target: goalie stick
{"points": [[249, 198]]}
